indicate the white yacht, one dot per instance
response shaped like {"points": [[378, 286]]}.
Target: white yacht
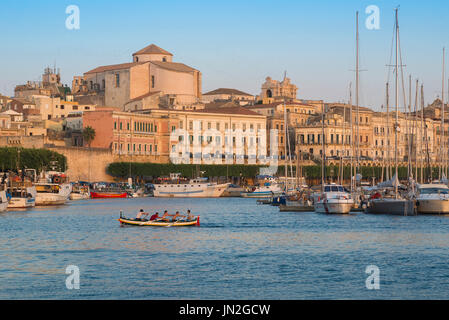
{"points": [[52, 193], [334, 200], [196, 188], [433, 199], [22, 197], [268, 190], [3, 201]]}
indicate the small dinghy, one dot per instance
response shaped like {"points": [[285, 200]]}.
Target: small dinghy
{"points": [[158, 223]]}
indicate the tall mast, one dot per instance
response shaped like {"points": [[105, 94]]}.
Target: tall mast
{"points": [[407, 121], [387, 132], [351, 137], [285, 142], [323, 155], [421, 139], [357, 91], [397, 109], [415, 131], [443, 152]]}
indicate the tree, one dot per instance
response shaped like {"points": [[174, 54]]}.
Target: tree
{"points": [[89, 135]]}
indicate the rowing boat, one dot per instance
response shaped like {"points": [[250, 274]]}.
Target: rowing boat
{"points": [[178, 223]]}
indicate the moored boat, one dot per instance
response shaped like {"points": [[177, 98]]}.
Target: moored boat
{"points": [[107, 194], [267, 191], [196, 188], [3, 201], [433, 199], [334, 200], [80, 193], [22, 197], [48, 194]]}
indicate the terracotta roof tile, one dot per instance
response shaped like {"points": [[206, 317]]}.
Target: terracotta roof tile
{"points": [[173, 66], [152, 49], [113, 67], [227, 91]]}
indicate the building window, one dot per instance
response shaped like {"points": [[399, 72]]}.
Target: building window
{"points": [[117, 80], [152, 81]]}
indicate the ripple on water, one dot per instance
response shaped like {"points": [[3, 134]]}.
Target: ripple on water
{"points": [[241, 251]]}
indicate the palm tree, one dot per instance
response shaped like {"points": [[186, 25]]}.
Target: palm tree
{"points": [[89, 135]]}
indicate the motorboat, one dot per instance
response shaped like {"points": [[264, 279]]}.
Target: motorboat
{"points": [[195, 188], [48, 194], [22, 197], [268, 190], [334, 199], [432, 199], [233, 191], [80, 192]]}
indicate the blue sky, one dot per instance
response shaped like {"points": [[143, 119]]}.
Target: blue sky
{"points": [[235, 44]]}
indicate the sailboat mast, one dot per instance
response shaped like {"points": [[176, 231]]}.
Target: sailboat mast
{"points": [[323, 154], [351, 137], [387, 133], [415, 131], [422, 140], [357, 92], [397, 109], [443, 152]]}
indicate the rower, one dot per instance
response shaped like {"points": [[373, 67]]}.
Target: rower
{"points": [[177, 214], [165, 215], [155, 216], [190, 216], [141, 214]]}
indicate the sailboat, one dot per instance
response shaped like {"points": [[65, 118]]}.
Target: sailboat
{"points": [[392, 202], [333, 198], [434, 198]]}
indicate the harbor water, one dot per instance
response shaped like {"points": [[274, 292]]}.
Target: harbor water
{"points": [[241, 251]]}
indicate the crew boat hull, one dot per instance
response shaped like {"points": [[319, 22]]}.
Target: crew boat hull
{"points": [[132, 222]]}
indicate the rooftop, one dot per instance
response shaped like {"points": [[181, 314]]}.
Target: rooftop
{"points": [[152, 49], [227, 91]]}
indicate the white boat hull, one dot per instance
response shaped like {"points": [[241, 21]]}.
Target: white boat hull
{"points": [[79, 196], [189, 190], [432, 206], [23, 203], [333, 207], [3, 201], [47, 199]]}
